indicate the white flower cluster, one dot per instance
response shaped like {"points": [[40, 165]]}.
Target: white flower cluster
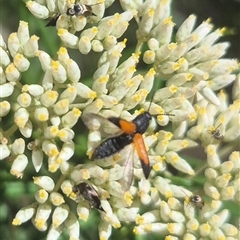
{"points": [[192, 71]]}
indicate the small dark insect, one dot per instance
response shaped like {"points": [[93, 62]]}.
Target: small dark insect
{"points": [[81, 9], [89, 194], [195, 201], [76, 10], [216, 133]]}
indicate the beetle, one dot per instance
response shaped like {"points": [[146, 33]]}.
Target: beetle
{"points": [[89, 193]]}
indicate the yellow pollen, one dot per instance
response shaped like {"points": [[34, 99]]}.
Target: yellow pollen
{"points": [[39, 222], [128, 198], [168, 21], [85, 39], [62, 31], [150, 12], [136, 56], [215, 195], [43, 117], [25, 88], [195, 37], [181, 61], [83, 217], [94, 29], [129, 82], [77, 112], [211, 150], [202, 111], [53, 152], [62, 51], [10, 68], [92, 94], [117, 225], [173, 88], [172, 46], [168, 194], [151, 72], [103, 79], [168, 135], [53, 167], [99, 103], [192, 116], [137, 97], [170, 227], [206, 227], [85, 174], [148, 227], [34, 38], [184, 143], [20, 122], [175, 159], [55, 65], [132, 69], [176, 66], [139, 220], [189, 76], [16, 222]]}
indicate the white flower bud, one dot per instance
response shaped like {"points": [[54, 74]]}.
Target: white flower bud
{"points": [[84, 91], [109, 42], [54, 233], [12, 73], [69, 39], [43, 212], [26, 131], [18, 146], [24, 214], [58, 72], [5, 60], [212, 156], [73, 71], [44, 182], [24, 100], [61, 107], [31, 47], [37, 159], [84, 45], [34, 89], [4, 151], [229, 229], [41, 114], [72, 225], [97, 46], [66, 152], [38, 10], [18, 166], [71, 118], [4, 108], [21, 63], [41, 196], [6, 90], [49, 98], [79, 23], [51, 132], [178, 163], [149, 57], [66, 187], [106, 26], [56, 198], [21, 117], [44, 59], [211, 191], [13, 44], [60, 214], [23, 32]]}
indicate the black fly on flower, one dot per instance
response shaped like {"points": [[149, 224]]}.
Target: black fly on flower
{"points": [[195, 201], [76, 9]]}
